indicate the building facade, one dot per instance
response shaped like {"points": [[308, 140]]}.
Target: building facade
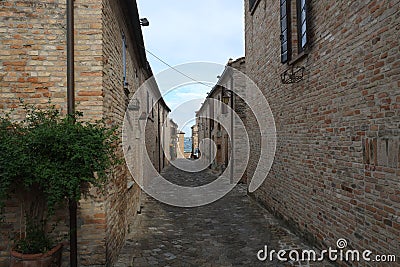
{"points": [[195, 139], [173, 139], [110, 65], [156, 126], [212, 128], [181, 145], [330, 72]]}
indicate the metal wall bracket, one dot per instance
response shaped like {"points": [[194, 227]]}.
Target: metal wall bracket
{"points": [[292, 75]]}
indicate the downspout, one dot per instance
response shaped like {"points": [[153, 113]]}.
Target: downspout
{"points": [[232, 129], [71, 111], [159, 139], [70, 58]]}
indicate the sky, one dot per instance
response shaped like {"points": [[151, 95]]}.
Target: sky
{"points": [[191, 31]]}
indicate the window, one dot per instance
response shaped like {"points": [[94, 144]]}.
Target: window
{"points": [[294, 31], [252, 3], [302, 24], [211, 110], [285, 32], [148, 103], [124, 46], [224, 109], [152, 108]]}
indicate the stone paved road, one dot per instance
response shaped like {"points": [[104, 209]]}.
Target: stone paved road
{"points": [[228, 232]]}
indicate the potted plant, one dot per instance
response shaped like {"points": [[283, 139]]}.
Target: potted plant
{"points": [[46, 159]]}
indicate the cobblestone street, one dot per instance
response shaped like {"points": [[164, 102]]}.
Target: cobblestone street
{"points": [[228, 232]]}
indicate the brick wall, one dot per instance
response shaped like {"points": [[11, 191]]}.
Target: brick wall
{"points": [[240, 107], [32, 52], [233, 78], [33, 67], [181, 145], [122, 201], [336, 170]]}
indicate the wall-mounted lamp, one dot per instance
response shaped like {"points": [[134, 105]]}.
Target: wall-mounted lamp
{"points": [[226, 98], [144, 22]]}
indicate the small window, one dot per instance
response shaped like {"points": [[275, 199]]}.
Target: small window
{"points": [[294, 29], [212, 109], [124, 46], [302, 24], [152, 108], [252, 3], [285, 31], [148, 103]]}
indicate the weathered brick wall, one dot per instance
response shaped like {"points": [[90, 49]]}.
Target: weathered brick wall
{"points": [[89, 97], [233, 78], [241, 109], [26, 43], [336, 170], [152, 133], [32, 52], [122, 201], [33, 67]]}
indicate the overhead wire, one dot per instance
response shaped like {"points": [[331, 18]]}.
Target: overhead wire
{"points": [[175, 69]]}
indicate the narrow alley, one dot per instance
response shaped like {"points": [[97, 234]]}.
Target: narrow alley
{"points": [[199, 133], [228, 232]]}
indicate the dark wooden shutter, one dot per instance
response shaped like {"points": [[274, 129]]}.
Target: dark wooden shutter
{"points": [[285, 31], [251, 4], [302, 24]]}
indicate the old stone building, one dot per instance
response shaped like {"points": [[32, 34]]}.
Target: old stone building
{"points": [[157, 118], [173, 133], [228, 82], [181, 145], [330, 72], [110, 65]]}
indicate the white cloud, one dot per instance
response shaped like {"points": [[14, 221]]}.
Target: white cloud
{"points": [[192, 31], [178, 98], [185, 31]]}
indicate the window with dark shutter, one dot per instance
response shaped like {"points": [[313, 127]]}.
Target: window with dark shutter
{"points": [[148, 103], [124, 46], [285, 32], [302, 24], [251, 4]]}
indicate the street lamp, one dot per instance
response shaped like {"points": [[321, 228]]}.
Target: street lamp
{"points": [[144, 22], [225, 100]]}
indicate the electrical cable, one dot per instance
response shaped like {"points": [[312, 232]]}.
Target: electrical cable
{"points": [[175, 69]]}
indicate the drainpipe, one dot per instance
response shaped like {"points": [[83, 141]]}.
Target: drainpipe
{"points": [[73, 206], [232, 129], [159, 137], [70, 58]]}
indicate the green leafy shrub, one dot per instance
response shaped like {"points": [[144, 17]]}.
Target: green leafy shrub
{"points": [[49, 158]]}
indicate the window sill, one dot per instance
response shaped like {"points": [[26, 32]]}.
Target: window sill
{"points": [[300, 56], [255, 5]]}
